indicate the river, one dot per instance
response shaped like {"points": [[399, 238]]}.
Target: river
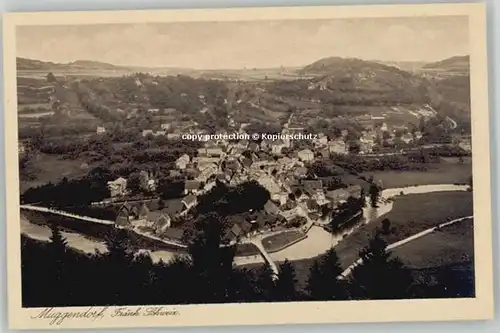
{"points": [[317, 242]]}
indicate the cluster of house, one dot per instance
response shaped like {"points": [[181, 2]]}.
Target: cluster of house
{"points": [[292, 194], [150, 215], [389, 134], [118, 187], [171, 131], [141, 214], [282, 176]]}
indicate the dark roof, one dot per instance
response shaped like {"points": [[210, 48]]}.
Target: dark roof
{"points": [[192, 172], [189, 199], [236, 230], [270, 207], [313, 184], [154, 216], [308, 191], [126, 206], [144, 210], [247, 162], [122, 220], [253, 146], [192, 185], [312, 204]]}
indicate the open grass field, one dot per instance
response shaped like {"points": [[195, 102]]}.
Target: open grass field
{"points": [[279, 241], [411, 214], [50, 168], [446, 172], [451, 245], [246, 249]]}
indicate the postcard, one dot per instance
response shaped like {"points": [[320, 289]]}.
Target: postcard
{"points": [[249, 166]]}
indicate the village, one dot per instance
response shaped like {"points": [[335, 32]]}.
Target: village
{"points": [[296, 199]]}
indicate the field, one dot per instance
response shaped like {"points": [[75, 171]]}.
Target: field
{"points": [[446, 172], [50, 168], [452, 244], [280, 241], [246, 249], [410, 215], [397, 115]]}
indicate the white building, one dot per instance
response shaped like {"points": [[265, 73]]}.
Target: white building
{"points": [[182, 162], [118, 187], [337, 147], [306, 155]]}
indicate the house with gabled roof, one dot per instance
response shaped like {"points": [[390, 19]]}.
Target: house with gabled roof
{"points": [[189, 201], [123, 216], [159, 220], [271, 208], [191, 186]]}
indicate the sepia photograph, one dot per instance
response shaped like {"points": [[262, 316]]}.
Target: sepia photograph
{"points": [[247, 166]]}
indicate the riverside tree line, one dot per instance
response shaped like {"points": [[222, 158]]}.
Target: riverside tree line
{"points": [[55, 275]]}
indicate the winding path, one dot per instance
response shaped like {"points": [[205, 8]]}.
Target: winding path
{"points": [[94, 220], [421, 234]]}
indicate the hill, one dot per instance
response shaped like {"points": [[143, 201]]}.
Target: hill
{"points": [[453, 64], [349, 81], [34, 65], [357, 74]]}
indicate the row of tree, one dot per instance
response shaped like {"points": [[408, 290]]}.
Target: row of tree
{"points": [[55, 275]]}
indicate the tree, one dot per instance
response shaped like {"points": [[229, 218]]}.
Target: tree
{"points": [[374, 195], [134, 183], [386, 226], [212, 263], [323, 283], [116, 264], [379, 276], [57, 267], [265, 284], [286, 289], [51, 78]]}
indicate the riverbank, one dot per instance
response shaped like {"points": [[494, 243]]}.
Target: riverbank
{"points": [[317, 242]]}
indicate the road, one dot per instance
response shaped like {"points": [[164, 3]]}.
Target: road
{"points": [[421, 234], [94, 220], [453, 122]]}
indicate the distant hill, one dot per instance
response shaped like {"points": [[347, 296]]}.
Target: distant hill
{"points": [[409, 66], [89, 64], [453, 64], [357, 74], [37, 65]]}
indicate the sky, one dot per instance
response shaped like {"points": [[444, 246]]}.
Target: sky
{"points": [[252, 44]]}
